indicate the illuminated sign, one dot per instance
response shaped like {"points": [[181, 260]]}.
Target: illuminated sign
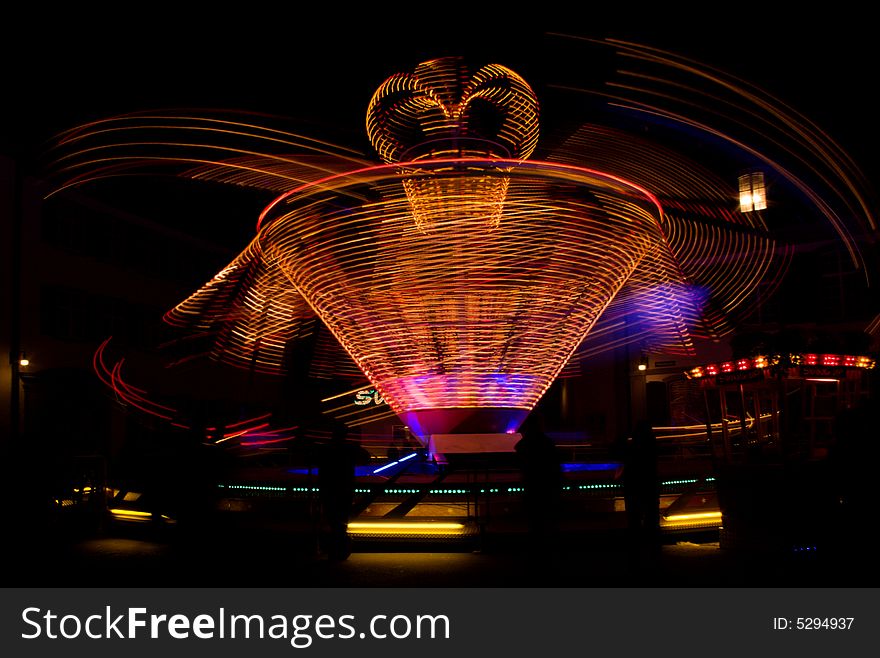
{"points": [[739, 377], [368, 396], [824, 372]]}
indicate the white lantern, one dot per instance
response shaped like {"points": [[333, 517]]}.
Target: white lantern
{"points": [[752, 193]]}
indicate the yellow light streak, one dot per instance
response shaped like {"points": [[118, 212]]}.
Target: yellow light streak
{"points": [[404, 527], [696, 516], [130, 515]]}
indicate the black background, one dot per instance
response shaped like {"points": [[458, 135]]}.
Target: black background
{"points": [[321, 63]]}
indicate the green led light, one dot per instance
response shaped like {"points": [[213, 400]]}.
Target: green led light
{"points": [[668, 482], [251, 487]]}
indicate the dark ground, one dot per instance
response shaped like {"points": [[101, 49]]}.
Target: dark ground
{"points": [[147, 557]]}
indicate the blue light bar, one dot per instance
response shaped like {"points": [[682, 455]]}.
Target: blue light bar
{"points": [[395, 463], [575, 468]]}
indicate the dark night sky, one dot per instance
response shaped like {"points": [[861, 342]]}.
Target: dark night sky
{"points": [[323, 68], [326, 66]]}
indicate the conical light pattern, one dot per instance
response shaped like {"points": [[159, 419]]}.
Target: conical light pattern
{"points": [[461, 323]]}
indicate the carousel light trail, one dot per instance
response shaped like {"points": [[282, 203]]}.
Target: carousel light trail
{"points": [[461, 276], [455, 316]]}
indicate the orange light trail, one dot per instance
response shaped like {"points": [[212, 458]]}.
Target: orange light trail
{"points": [[446, 314], [241, 152], [680, 90], [459, 276]]}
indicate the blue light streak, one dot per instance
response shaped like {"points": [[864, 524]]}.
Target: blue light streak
{"points": [[576, 468], [395, 463]]}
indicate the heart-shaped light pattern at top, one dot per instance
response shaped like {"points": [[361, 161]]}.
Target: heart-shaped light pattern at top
{"points": [[439, 111], [460, 328], [442, 112]]}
